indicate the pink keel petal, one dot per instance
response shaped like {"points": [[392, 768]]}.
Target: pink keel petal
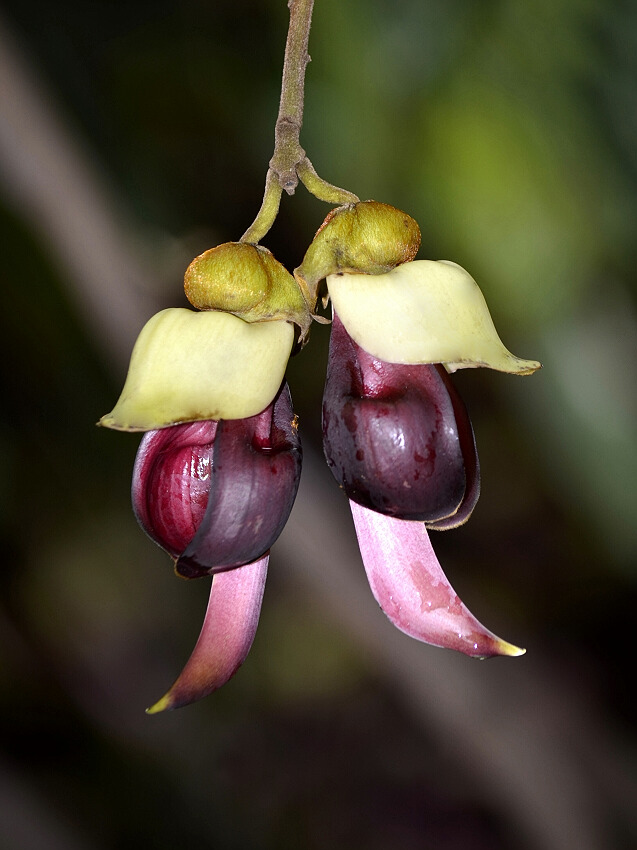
{"points": [[228, 630], [413, 591]]}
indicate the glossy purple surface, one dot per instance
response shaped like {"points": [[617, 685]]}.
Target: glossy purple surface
{"points": [[397, 437], [216, 495]]}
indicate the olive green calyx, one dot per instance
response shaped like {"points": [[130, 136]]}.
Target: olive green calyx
{"points": [[247, 281], [367, 237]]}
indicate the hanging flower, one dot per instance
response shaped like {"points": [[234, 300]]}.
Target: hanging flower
{"points": [[399, 441], [396, 434], [217, 472], [216, 496], [398, 438]]}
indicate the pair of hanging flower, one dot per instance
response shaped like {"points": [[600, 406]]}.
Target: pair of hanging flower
{"points": [[217, 472]]}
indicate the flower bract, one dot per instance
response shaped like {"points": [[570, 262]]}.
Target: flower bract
{"points": [[247, 281], [367, 237]]}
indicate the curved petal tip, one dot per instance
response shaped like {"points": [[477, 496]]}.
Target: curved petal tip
{"points": [[226, 636], [413, 591], [510, 650], [163, 704]]}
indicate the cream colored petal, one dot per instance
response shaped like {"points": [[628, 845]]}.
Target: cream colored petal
{"points": [[423, 312], [188, 366]]}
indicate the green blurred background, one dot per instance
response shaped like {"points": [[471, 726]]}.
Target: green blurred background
{"points": [[136, 135]]}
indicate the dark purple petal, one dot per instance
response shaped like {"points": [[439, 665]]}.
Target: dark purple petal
{"points": [[412, 589], [228, 630], [171, 482], [256, 466], [216, 495], [397, 437], [470, 458]]}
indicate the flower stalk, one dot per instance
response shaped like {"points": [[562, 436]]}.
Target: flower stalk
{"points": [[289, 162]]}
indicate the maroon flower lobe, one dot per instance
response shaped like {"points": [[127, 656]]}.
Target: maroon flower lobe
{"points": [[397, 437], [216, 495]]}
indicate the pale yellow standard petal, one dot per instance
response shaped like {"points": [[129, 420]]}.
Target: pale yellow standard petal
{"points": [[188, 366], [425, 311]]}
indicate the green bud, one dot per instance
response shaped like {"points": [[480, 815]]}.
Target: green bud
{"points": [[367, 237], [247, 281]]}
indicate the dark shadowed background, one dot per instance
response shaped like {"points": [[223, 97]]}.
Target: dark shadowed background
{"points": [[135, 135]]}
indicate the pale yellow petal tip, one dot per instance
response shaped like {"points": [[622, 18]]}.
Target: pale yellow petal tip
{"points": [[110, 421], [509, 649], [524, 367], [509, 363], [149, 422], [163, 704], [528, 367]]}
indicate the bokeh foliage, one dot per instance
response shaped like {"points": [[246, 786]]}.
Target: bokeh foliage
{"points": [[509, 131]]}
